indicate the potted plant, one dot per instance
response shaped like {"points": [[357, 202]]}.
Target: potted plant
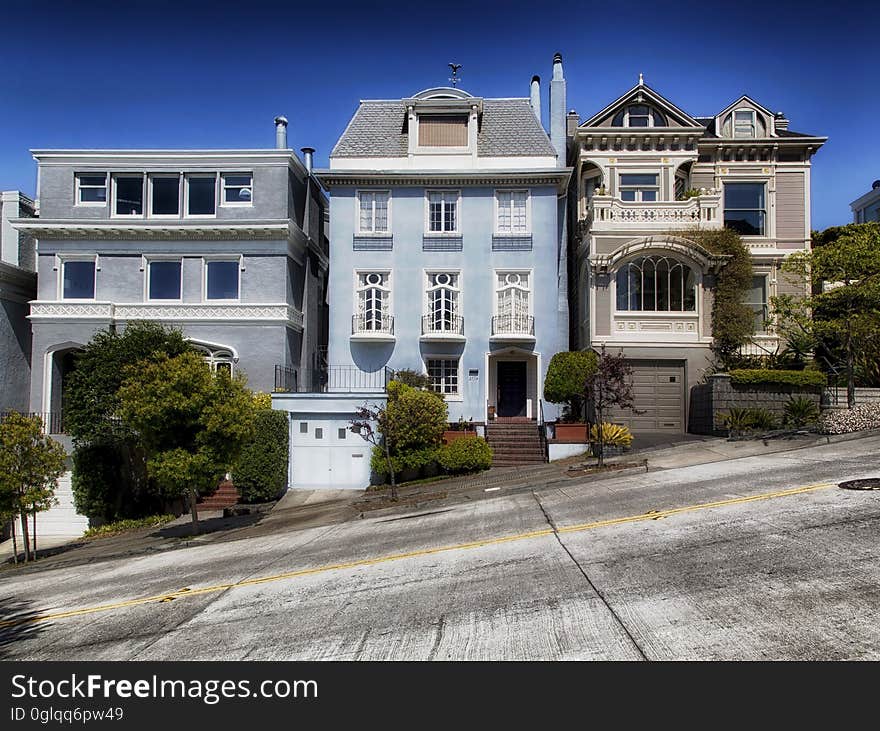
{"points": [[565, 383], [459, 429]]}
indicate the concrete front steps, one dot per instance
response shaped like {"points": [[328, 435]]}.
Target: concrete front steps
{"points": [[225, 497], [514, 443]]}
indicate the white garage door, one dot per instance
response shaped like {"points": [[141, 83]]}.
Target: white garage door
{"points": [[61, 519], [658, 387], [325, 454]]}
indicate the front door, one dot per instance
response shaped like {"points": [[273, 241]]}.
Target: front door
{"points": [[511, 388]]}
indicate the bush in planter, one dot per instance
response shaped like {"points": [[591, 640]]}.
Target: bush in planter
{"points": [[566, 379], [261, 472], [407, 466], [468, 454], [765, 376]]}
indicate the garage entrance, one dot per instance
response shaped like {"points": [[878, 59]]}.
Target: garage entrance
{"points": [[325, 454], [659, 390]]}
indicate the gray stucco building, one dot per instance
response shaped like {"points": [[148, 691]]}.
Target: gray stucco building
{"points": [[228, 245]]}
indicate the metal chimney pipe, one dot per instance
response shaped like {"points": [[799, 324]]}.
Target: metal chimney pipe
{"points": [[308, 154], [535, 96], [280, 133]]}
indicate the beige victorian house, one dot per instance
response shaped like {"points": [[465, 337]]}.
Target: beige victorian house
{"points": [[645, 170]]}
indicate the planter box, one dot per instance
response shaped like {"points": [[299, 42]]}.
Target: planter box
{"points": [[450, 435], [575, 433]]}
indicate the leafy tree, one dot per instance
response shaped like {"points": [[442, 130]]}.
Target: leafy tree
{"points": [[363, 423], [842, 311], [110, 477], [609, 385], [30, 465], [566, 375], [191, 422]]}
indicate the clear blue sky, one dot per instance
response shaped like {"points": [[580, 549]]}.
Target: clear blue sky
{"points": [[99, 74]]}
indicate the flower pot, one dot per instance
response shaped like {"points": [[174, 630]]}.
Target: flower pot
{"points": [[575, 433]]}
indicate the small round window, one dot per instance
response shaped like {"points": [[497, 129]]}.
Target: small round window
{"points": [[444, 279], [512, 279], [374, 278]]}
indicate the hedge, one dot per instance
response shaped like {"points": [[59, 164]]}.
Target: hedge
{"points": [[786, 378], [261, 472], [468, 454]]}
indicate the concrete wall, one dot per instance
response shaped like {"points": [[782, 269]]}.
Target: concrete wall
{"points": [[720, 394], [15, 338], [476, 263]]}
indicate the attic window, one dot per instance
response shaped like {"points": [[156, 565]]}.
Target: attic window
{"points": [[744, 123], [445, 130], [638, 115]]}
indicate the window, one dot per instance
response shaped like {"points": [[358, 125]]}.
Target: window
{"points": [[639, 115], [443, 130], [341, 433], [221, 280], [221, 360], [373, 212], [442, 302], [638, 187], [512, 211], [128, 195], [201, 199], [744, 123], [304, 427], [756, 299], [91, 189], [513, 303], [373, 302], [78, 280], [165, 195], [443, 211], [163, 280], [745, 207], [656, 284], [238, 189], [443, 375], [319, 432]]}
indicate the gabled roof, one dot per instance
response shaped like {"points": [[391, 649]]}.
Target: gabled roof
{"points": [[642, 93], [744, 98], [508, 128]]}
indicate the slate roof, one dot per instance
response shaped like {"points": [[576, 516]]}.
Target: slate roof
{"points": [[508, 127]]}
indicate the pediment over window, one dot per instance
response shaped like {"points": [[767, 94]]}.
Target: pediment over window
{"points": [[642, 107], [687, 250], [745, 119]]}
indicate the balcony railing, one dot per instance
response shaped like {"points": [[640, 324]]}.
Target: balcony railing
{"points": [[605, 212], [372, 325], [442, 325], [332, 379], [52, 420], [522, 325]]}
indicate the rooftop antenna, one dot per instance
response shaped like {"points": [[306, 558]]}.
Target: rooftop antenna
{"points": [[454, 78]]}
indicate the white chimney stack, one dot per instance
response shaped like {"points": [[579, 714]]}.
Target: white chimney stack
{"points": [[535, 97]]}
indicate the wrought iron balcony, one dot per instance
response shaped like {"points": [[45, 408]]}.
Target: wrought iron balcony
{"points": [[372, 327], [513, 327], [331, 379], [442, 327]]}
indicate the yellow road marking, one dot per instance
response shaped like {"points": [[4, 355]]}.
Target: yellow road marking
{"points": [[187, 592]]}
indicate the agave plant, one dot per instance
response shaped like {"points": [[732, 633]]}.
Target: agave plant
{"points": [[613, 435], [801, 411]]}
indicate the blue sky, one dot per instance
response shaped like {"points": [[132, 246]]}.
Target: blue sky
{"points": [[202, 75]]}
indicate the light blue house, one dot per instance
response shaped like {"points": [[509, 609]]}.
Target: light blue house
{"points": [[447, 245]]}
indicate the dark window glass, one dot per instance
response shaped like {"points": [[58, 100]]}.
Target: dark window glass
{"points": [[166, 196], [79, 280], [222, 280], [202, 201], [744, 208], [638, 179], [92, 188], [164, 280], [130, 196]]}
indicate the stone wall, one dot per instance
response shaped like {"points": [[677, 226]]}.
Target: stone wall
{"points": [[720, 394]]}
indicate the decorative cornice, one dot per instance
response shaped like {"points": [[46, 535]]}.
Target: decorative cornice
{"points": [[556, 176], [176, 312], [152, 230]]}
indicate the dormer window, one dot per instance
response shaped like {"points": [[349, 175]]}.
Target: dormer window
{"points": [[639, 115], [744, 123], [443, 130]]}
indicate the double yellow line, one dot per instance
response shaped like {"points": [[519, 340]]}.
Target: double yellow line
{"points": [[187, 592]]}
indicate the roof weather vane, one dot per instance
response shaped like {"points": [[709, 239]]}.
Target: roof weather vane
{"points": [[454, 78]]}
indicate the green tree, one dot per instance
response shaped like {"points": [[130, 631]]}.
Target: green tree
{"points": [[110, 477], [840, 310], [192, 423], [566, 375], [30, 464]]}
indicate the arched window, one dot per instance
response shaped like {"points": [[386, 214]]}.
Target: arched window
{"points": [[638, 115], [656, 284], [217, 357]]}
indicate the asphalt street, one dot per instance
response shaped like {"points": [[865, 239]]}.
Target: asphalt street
{"points": [[717, 561]]}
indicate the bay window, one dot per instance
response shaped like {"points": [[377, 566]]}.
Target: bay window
{"points": [[656, 284]]}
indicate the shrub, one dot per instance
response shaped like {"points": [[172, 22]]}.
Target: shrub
{"points": [[262, 400], [844, 421], [411, 378], [468, 454], [419, 461], [567, 376], [763, 420], [807, 378], [122, 526], [261, 471], [748, 419], [415, 419], [801, 411], [613, 435]]}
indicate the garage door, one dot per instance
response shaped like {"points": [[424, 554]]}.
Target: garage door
{"points": [[61, 519], [325, 454], [658, 387]]}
